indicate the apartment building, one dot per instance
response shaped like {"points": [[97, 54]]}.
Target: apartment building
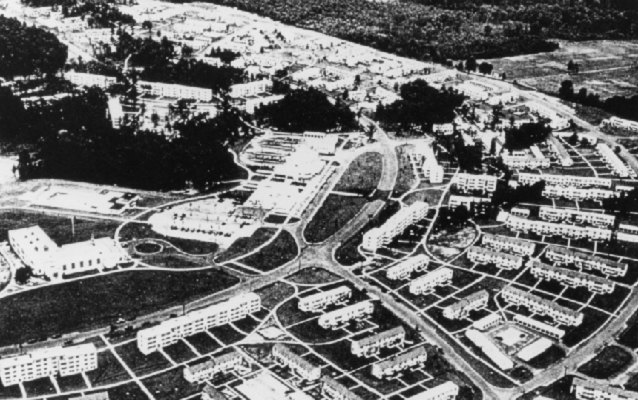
{"points": [[473, 182], [557, 229], [581, 217], [37, 250], [225, 363], [377, 237], [620, 123], [509, 244], [333, 390], [522, 161], [88, 80], [564, 180], [575, 193], [343, 315], [462, 308], [571, 278], [250, 88], [538, 326], [492, 351], [319, 301], [429, 281], [445, 391], [370, 345], [614, 162], [403, 269], [502, 260], [588, 390], [301, 367], [171, 331], [176, 91], [588, 261], [559, 150], [488, 322], [399, 362], [627, 233], [542, 306], [480, 204], [41, 363]]}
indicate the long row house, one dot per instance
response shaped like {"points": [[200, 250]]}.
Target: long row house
{"points": [[542, 306], [571, 278], [509, 244], [502, 260], [564, 255]]}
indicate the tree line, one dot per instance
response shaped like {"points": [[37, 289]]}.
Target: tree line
{"points": [[624, 107], [99, 15]]}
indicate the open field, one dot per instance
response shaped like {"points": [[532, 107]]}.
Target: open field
{"points": [[362, 176], [136, 231], [101, 300], [275, 254], [611, 361], [406, 177], [244, 245], [335, 212]]}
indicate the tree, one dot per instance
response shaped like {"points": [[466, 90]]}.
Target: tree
{"points": [[148, 25], [526, 135], [470, 64], [485, 68], [23, 274], [566, 91]]}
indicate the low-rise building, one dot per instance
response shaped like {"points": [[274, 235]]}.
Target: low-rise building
{"points": [[399, 362], [571, 278], [319, 301], [492, 351], [438, 277], [532, 159], [564, 180], [474, 204], [576, 193], [250, 88], [620, 123], [538, 326], [486, 256], [614, 162], [461, 308], [300, 366], [510, 244], [589, 390], [377, 237], [627, 233], [564, 255], [571, 215], [473, 182], [561, 153], [204, 371], [406, 267], [42, 363], [176, 91], [445, 391], [333, 390], [370, 345], [488, 322], [88, 80], [542, 306], [343, 315], [557, 229], [534, 349]]}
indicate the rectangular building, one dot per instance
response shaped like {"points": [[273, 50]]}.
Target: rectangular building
{"points": [[461, 308], [492, 351], [171, 331], [588, 390], [564, 255], [343, 315], [176, 91], [321, 300], [370, 345], [333, 390], [472, 182], [41, 363], [300, 366], [571, 278], [581, 217], [509, 244], [488, 322], [557, 229], [564, 180], [502, 260], [620, 123], [422, 284], [538, 326], [204, 371], [403, 269], [576, 193], [377, 237], [539, 305], [559, 150], [250, 88], [399, 362], [614, 162], [445, 391]]}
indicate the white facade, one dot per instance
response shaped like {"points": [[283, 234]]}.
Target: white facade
{"points": [[557, 229], [488, 322], [461, 308], [438, 277], [250, 88], [445, 391], [319, 301], [204, 371], [564, 255], [561, 153], [399, 362], [343, 315], [483, 342], [303, 368], [403, 269], [42, 363], [377, 237], [37, 250], [510, 244], [574, 193], [614, 162], [570, 215], [542, 306], [87, 80], [467, 201], [538, 326], [333, 390], [371, 345], [468, 182], [536, 348], [620, 123], [571, 278], [588, 390], [564, 180], [502, 260], [171, 331], [176, 91]]}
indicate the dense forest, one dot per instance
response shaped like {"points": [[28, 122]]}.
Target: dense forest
{"points": [[526, 135], [27, 50], [440, 29], [624, 107], [71, 138], [98, 15]]}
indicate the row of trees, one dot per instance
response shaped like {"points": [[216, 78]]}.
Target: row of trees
{"points": [[624, 107], [526, 135]]}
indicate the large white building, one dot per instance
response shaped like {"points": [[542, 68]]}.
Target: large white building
{"points": [[564, 180], [429, 281], [614, 162], [486, 256], [204, 371], [321, 300], [492, 351], [171, 331], [250, 88], [37, 250], [445, 391], [370, 345], [538, 326], [557, 229], [176, 91], [577, 193], [472, 182], [403, 269], [564, 255], [588, 390], [300, 366], [87, 80], [534, 159], [510, 244], [542, 306], [620, 123], [377, 237], [399, 362], [488, 322], [343, 315], [42, 363], [333, 390], [462, 308], [561, 153], [571, 215], [571, 278]]}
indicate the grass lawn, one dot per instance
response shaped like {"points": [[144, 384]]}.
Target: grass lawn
{"points": [[244, 245], [109, 370], [139, 363], [406, 177], [547, 358], [632, 383], [609, 362], [130, 391], [71, 383], [313, 276], [335, 212], [203, 342], [363, 174], [430, 196], [272, 295], [136, 230], [277, 253], [58, 228], [171, 385], [100, 300], [39, 387]]}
